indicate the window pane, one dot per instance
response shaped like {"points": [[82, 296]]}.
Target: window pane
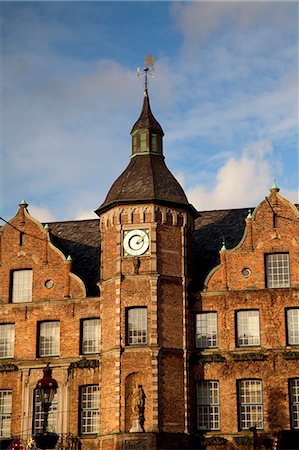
{"points": [[143, 142], [206, 330], [49, 337], [137, 326], [7, 339], [248, 328], [293, 326], [22, 286], [251, 404], [294, 394], [5, 412], [90, 404], [91, 336], [278, 270], [38, 415], [208, 410]]}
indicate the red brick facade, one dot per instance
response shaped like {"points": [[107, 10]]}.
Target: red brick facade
{"points": [[211, 363]]}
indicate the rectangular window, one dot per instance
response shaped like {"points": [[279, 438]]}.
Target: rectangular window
{"points": [[90, 336], [248, 328], [278, 270], [293, 326], [251, 404], [90, 404], [206, 330], [7, 340], [49, 338], [154, 143], [143, 142], [136, 326], [208, 409], [294, 403], [21, 286], [5, 412], [38, 415]]}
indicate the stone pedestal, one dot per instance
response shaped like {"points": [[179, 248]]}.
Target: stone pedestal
{"points": [[136, 427]]}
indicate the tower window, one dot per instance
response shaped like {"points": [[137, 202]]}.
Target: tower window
{"points": [[7, 340], [21, 291], [90, 404], [208, 409], [294, 402], [277, 270], [134, 144], [90, 336], [293, 326], [154, 143], [206, 330], [251, 404], [143, 142], [136, 326], [49, 338], [248, 328], [5, 412]]}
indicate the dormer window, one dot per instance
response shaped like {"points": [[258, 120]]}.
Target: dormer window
{"points": [[277, 270]]}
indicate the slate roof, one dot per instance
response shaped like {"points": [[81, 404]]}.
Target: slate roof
{"points": [[146, 179], [81, 240]]}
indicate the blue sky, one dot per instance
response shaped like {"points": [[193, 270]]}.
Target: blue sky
{"points": [[225, 93]]}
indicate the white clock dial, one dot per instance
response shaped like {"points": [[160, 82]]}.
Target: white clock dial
{"points": [[136, 242]]}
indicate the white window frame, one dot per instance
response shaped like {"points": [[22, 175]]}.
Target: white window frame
{"points": [[208, 405], [277, 270], [89, 409], [248, 328], [294, 402], [206, 330], [5, 412], [38, 415], [49, 330], [21, 289], [251, 407], [7, 340], [137, 326], [90, 336], [292, 321]]}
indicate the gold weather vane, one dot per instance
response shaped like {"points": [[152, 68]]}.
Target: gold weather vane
{"points": [[149, 69]]}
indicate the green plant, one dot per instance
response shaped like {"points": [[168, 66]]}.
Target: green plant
{"points": [[289, 354], [83, 364], [243, 440], [215, 440], [211, 357], [8, 367], [252, 356]]}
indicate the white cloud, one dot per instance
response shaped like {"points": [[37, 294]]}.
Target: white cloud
{"points": [[242, 181], [40, 213]]}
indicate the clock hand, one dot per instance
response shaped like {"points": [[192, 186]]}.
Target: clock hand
{"points": [[140, 240]]}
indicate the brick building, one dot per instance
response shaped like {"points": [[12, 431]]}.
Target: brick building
{"points": [[156, 335]]}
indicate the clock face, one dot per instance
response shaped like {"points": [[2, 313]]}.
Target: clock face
{"points": [[136, 242]]}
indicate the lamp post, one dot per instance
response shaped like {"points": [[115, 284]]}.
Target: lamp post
{"points": [[46, 388]]}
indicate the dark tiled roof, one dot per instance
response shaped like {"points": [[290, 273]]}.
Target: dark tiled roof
{"points": [[146, 179], [81, 240], [146, 119]]}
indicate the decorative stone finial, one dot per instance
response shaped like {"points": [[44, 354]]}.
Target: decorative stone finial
{"points": [[274, 187], [249, 215], [23, 203], [223, 248]]}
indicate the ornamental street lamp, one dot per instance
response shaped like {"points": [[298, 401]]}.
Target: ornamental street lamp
{"points": [[46, 388]]}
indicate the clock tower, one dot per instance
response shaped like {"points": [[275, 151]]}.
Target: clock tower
{"points": [[146, 224]]}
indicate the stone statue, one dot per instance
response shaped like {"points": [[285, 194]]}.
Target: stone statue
{"points": [[138, 402]]}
